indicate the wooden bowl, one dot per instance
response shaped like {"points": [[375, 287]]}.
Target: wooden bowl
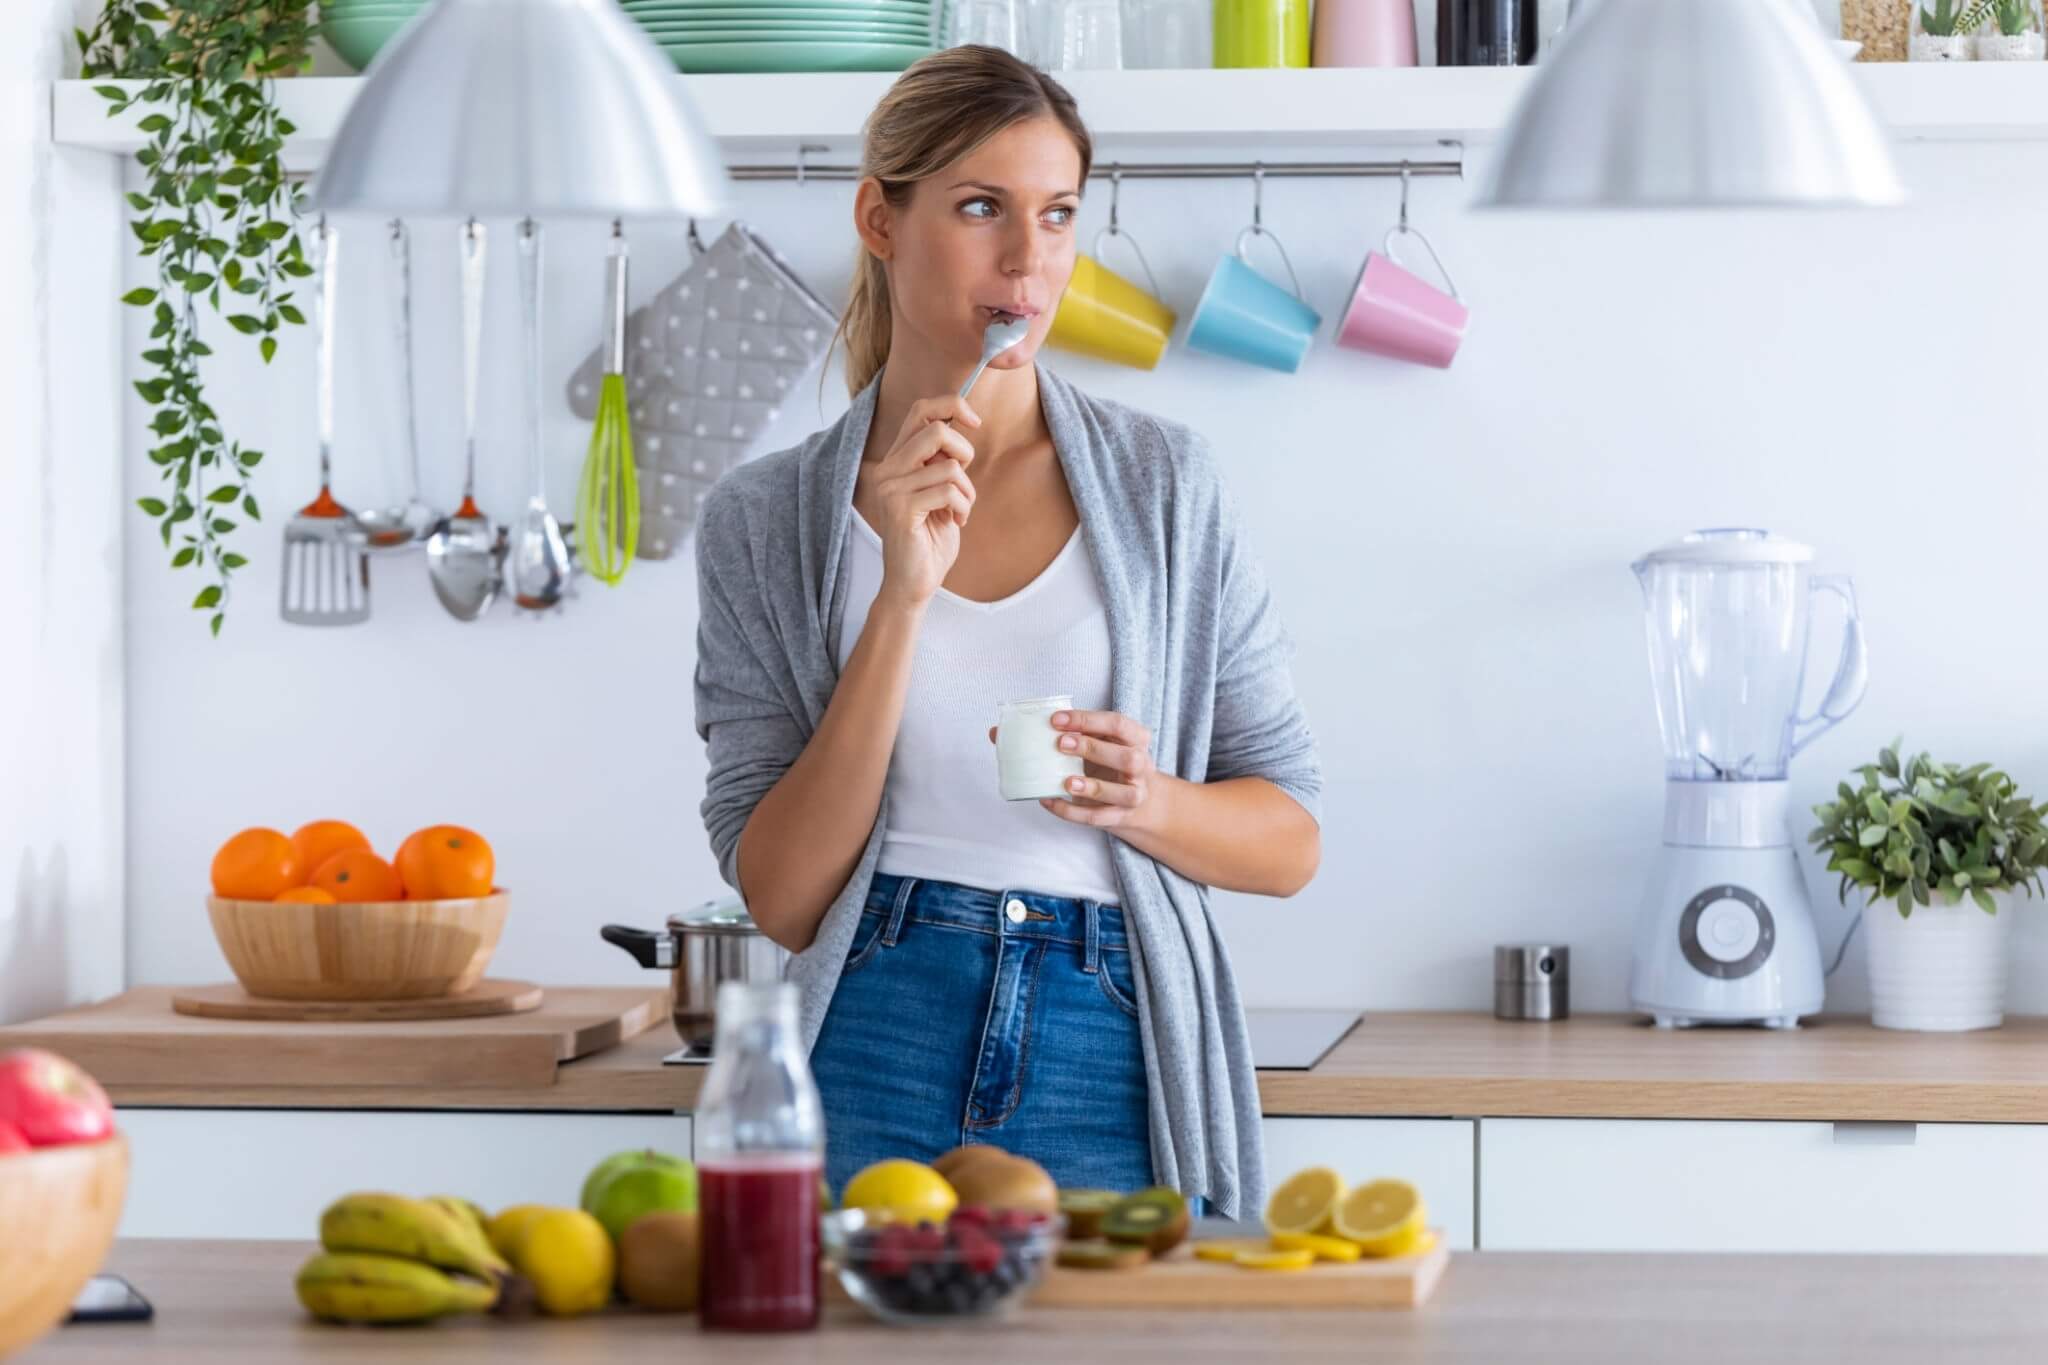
{"points": [[59, 1206], [376, 950]]}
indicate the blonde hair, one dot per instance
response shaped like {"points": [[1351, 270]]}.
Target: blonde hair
{"points": [[936, 112]]}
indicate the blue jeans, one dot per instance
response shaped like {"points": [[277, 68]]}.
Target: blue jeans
{"points": [[1005, 1017]]}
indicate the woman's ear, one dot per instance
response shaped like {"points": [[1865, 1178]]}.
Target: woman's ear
{"points": [[871, 218]]}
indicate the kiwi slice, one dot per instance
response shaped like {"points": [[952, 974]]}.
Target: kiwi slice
{"points": [[1098, 1255], [1156, 1219], [1084, 1210]]}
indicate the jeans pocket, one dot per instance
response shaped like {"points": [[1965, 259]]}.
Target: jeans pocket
{"points": [[1117, 984], [867, 941]]}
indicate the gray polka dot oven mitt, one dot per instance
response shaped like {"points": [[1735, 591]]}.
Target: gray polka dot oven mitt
{"points": [[709, 361]]}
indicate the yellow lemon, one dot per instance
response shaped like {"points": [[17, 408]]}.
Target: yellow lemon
{"points": [[1299, 1258], [903, 1189], [1229, 1248], [1306, 1202], [1322, 1248], [569, 1257], [506, 1229], [1385, 1218]]}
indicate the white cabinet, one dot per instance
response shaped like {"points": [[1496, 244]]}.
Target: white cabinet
{"points": [[1683, 1185], [269, 1172], [1435, 1155]]}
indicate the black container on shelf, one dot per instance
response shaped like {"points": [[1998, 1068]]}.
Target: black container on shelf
{"points": [[1486, 32]]}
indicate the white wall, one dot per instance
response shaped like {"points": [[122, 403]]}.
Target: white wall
{"points": [[1450, 550], [60, 549]]}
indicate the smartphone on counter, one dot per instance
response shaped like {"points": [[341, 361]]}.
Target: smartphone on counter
{"points": [[109, 1298]]}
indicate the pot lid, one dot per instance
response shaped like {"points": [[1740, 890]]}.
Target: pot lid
{"points": [[726, 915], [1731, 545]]}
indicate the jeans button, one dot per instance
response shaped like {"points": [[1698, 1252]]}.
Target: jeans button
{"points": [[1015, 910]]}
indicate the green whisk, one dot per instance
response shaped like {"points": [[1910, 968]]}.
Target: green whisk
{"points": [[608, 496]]}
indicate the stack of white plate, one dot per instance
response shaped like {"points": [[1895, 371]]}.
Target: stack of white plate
{"points": [[787, 35]]}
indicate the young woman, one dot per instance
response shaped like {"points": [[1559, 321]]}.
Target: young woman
{"points": [[1043, 976]]}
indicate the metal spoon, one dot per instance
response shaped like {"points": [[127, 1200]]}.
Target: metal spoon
{"points": [[465, 551], [540, 557], [997, 337], [407, 525]]}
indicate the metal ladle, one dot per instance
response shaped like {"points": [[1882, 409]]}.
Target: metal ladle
{"points": [[540, 556], [407, 525], [464, 551]]}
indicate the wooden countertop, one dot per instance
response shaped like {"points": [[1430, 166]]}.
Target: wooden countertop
{"points": [[218, 1301], [1421, 1064]]}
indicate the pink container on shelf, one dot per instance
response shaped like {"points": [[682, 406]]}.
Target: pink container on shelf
{"points": [[1363, 33]]}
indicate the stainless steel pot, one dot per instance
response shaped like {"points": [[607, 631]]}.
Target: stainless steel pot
{"points": [[703, 948]]}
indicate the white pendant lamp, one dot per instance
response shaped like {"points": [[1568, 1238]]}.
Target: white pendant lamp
{"points": [[513, 108], [1692, 104]]}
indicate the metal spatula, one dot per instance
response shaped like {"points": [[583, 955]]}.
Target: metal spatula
{"points": [[326, 578]]}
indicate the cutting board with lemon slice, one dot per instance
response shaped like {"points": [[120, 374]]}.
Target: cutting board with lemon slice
{"points": [[1180, 1280]]}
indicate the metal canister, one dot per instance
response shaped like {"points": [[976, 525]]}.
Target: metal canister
{"points": [[1532, 981]]}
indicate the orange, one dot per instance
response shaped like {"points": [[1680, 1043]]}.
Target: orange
{"points": [[446, 862], [322, 839], [256, 865], [307, 895], [355, 875]]}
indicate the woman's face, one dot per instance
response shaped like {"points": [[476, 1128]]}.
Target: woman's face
{"points": [[992, 234]]}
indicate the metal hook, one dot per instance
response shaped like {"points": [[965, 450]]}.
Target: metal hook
{"points": [[1116, 184], [803, 150], [1258, 194], [697, 247], [1404, 194]]}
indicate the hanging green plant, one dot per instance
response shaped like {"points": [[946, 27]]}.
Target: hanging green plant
{"points": [[218, 217]]}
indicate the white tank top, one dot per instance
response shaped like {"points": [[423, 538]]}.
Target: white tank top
{"points": [[947, 820]]}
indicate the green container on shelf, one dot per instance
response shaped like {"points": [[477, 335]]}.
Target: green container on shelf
{"points": [[1261, 32]]}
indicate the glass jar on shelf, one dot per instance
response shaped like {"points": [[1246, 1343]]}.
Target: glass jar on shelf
{"points": [[1940, 32], [2012, 32]]}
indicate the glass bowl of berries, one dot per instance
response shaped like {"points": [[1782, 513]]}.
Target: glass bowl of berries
{"points": [[978, 1263]]}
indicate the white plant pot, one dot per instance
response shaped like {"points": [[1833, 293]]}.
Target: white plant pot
{"points": [[1926, 47], [1943, 969], [2011, 47]]}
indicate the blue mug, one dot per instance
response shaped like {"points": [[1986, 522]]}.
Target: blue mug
{"points": [[1245, 316]]}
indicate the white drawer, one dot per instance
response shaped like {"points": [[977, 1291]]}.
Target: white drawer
{"points": [[1435, 1155], [1671, 1185], [268, 1173]]}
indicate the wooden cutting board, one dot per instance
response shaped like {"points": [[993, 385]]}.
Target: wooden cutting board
{"points": [[230, 1001], [1181, 1281], [136, 1039]]}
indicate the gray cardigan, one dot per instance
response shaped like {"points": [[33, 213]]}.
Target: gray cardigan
{"points": [[1198, 655]]}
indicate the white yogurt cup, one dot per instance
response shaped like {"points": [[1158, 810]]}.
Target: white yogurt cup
{"points": [[1029, 761]]}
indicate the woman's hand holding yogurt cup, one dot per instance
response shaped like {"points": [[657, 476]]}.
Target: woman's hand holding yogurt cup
{"points": [[1116, 782], [926, 497]]}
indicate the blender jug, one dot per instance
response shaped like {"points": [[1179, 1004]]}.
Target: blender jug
{"points": [[1729, 613]]}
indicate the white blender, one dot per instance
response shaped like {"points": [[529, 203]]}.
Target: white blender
{"points": [[1726, 935]]}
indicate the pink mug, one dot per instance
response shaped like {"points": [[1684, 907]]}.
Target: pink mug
{"points": [[1394, 312], [1363, 33]]}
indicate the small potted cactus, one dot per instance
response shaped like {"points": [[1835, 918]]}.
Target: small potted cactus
{"points": [[2013, 33], [1943, 30]]}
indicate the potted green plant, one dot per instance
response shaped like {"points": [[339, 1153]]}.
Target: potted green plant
{"points": [[1942, 30], [2013, 34], [1936, 852]]}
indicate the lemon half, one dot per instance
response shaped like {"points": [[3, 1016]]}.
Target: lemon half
{"points": [[1385, 1218]]}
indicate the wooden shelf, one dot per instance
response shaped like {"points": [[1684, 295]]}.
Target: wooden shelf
{"points": [[1211, 111]]}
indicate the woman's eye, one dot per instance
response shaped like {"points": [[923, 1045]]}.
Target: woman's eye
{"points": [[1062, 215], [973, 204]]}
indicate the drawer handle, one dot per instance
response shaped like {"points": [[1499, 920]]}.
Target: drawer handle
{"points": [[1875, 1133]]}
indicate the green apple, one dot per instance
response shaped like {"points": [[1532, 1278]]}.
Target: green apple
{"points": [[638, 1183]]}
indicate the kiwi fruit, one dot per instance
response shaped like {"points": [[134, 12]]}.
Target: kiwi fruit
{"points": [[1156, 1219], [1084, 1210], [959, 1158], [1097, 1255], [1006, 1182], [658, 1261]]}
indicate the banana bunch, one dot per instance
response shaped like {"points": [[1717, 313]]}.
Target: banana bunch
{"points": [[389, 1258]]}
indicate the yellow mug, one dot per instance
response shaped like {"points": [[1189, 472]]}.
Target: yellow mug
{"points": [[1104, 315]]}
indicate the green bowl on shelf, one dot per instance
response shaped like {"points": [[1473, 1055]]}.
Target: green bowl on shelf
{"points": [[356, 41], [823, 55]]}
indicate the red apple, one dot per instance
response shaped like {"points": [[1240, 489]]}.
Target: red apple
{"points": [[11, 1140], [50, 1100]]}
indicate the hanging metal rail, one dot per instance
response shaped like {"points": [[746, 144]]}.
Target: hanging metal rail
{"points": [[802, 169]]}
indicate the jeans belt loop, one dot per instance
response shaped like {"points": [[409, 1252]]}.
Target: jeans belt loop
{"points": [[896, 912], [1092, 913]]}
